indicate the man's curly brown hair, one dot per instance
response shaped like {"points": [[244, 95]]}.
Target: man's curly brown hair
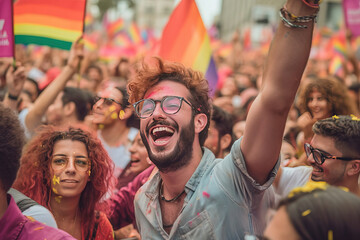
{"points": [[148, 75]]}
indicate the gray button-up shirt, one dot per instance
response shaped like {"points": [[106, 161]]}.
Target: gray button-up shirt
{"points": [[222, 202]]}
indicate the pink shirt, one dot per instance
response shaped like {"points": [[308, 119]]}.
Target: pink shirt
{"points": [[14, 225]]}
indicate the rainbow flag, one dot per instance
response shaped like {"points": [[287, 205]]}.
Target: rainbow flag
{"points": [[335, 66], [134, 33], [115, 27], [185, 39], [340, 47], [53, 23]]}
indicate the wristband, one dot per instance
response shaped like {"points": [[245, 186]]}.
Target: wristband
{"points": [[12, 97]]}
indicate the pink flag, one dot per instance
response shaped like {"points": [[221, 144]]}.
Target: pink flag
{"points": [[352, 16], [6, 29]]}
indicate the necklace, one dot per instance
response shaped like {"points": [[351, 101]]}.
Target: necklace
{"points": [[168, 200]]}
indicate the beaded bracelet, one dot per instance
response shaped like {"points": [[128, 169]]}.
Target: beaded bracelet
{"points": [[316, 3], [288, 23], [303, 19]]}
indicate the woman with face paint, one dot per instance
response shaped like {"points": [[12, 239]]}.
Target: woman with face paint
{"points": [[69, 172]]}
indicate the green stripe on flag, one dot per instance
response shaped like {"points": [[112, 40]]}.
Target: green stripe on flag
{"points": [[26, 39]]}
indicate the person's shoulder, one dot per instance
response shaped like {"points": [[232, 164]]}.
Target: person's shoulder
{"points": [[36, 230], [104, 228]]}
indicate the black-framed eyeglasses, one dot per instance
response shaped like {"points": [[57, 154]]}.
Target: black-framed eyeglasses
{"points": [[320, 156], [107, 101], [169, 104]]}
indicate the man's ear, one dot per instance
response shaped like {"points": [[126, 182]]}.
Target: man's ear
{"points": [[354, 168], [225, 141], [200, 122], [69, 108]]}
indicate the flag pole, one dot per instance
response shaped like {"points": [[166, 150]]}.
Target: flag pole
{"points": [[13, 35]]}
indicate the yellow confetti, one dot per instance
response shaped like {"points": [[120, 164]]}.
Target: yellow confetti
{"points": [[101, 126], [335, 117], [31, 218], [114, 115], [354, 118], [330, 235], [38, 228], [305, 213], [309, 187], [55, 191], [56, 180], [58, 199]]}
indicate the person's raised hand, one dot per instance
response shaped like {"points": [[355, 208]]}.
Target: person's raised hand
{"points": [[15, 79], [76, 53]]}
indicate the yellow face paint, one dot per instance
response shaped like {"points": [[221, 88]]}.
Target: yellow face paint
{"points": [[55, 191], [58, 199], [112, 108], [114, 115], [56, 180], [121, 114]]}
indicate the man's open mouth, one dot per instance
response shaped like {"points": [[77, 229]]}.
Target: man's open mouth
{"points": [[161, 134]]}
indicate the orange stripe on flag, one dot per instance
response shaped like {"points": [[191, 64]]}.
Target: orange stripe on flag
{"points": [[48, 21]]}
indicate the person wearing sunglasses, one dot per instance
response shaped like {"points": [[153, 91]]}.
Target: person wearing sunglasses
{"points": [[334, 152], [111, 113], [194, 195], [69, 172]]}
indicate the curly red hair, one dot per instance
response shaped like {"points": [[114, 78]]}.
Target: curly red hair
{"points": [[148, 75], [34, 178]]}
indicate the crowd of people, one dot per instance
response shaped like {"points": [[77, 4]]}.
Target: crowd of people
{"points": [[139, 149]]}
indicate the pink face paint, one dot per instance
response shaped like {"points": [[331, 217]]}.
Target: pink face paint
{"points": [[205, 194], [165, 89]]}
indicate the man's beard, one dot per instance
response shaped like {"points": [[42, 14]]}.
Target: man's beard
{"points": [[180, 155]]}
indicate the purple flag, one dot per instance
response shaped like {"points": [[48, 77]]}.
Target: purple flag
{"points": [[6, 29], [352, 16]]}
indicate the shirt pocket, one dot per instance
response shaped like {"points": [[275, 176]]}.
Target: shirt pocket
{"points": [[197, 228]]}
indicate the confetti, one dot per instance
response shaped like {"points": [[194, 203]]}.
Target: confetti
{"points": [[101, 126], [38, 228], [205, 194], [31, 218], [305, 213], [330, 235], [56, 180], [335, 117]]}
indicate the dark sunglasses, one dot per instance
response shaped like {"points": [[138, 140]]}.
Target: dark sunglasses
{"points": [[107, 101], [320, 156], [169, 104]]}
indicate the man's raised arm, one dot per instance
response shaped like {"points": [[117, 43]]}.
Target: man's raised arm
{"points": [[288, 55]]}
